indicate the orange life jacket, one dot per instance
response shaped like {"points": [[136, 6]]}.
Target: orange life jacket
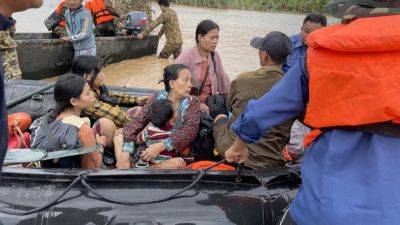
{"points": [[99, 11], [354, 73], [60, 11]]}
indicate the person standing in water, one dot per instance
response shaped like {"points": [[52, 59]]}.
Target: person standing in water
{"points": [[170, 26]]}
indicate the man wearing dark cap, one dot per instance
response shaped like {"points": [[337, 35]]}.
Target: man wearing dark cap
{"points": [[273, 50], [348, 87]]}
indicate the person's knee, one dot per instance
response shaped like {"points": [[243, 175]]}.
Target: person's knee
{"points": [[107, 127]]}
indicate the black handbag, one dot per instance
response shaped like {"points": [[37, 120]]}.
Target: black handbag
{"points": [[203, 144]]}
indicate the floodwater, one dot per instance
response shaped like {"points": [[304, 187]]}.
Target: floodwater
{"points": [[238, 27]]}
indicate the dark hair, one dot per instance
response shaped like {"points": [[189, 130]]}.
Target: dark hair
{"points": [[171, 72], [204, 27], [316, 18], [163, 2], [87, 64], [160, 112], [68, 86]]}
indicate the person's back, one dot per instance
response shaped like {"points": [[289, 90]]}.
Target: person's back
{"points": [[103, 16], [66, 132], [253, 85], [273, 50]]}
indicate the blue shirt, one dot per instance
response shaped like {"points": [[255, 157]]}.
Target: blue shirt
{"points": [[348, 177], [298, 50], [5, 23]]}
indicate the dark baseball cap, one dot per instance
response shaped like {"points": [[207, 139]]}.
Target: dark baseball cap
{"points": [[277, 44]]}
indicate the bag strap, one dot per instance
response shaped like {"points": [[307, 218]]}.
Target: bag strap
{"points": [[50, 136], [207, 73]]}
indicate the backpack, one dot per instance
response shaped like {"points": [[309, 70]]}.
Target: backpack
{"points": [[203, 144]]}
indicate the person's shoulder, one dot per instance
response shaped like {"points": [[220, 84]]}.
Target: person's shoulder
{"points": [[76, 121], [194, 100], [244, 76], [295, 38], [186, 55]]}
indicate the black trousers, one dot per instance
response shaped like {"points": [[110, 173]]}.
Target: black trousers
{"points": [[287, 219]]}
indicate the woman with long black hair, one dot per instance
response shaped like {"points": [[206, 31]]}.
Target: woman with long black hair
{"points": [[66, 126], [209, 76]]}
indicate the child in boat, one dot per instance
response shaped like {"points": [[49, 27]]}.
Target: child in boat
{"points": [[70, 131], [80, 28], [162, 118]]}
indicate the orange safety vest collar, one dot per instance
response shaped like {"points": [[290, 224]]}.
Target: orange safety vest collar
{"points": [[354, 73]]}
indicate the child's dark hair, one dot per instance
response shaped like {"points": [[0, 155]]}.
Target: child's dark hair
{"points": [[68, 86], [87, 64], [161, 112], [204, 27], [163, 2], [171, 72]]}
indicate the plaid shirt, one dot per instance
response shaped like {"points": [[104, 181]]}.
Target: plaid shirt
{"points": [[117, 115]]}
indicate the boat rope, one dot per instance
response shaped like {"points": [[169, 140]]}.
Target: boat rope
{"points": [[82, 179], [35, 210]]}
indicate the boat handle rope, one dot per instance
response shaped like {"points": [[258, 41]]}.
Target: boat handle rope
{"points": [[82, 179]]}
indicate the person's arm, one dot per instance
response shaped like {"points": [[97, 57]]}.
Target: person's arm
{"points": [[154, 24], [137, 124], [87, 138], [109, 6], [225, 82], [123, 98], [68, 23], [86, 31], [130, 132], [104, 110], [162, 31], [287, 99], [181, 138], [229, 99]]}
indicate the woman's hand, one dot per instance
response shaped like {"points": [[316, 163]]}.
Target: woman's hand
{"points": [[152, 151], [123, 162], [204, 108], [142, 100], [140, 36], [101, 140]]}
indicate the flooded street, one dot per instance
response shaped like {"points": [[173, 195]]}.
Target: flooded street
{"points": [[237, 29]]}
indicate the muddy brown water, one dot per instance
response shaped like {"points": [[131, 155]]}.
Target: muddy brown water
{"points": [[238, 27]]}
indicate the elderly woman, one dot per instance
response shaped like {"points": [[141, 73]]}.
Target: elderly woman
{"points": [[209, 76], [177, 81]]}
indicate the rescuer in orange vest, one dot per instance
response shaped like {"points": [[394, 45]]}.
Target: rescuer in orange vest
{"points": [[56, 21], [349, 87], [104, 17]]}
